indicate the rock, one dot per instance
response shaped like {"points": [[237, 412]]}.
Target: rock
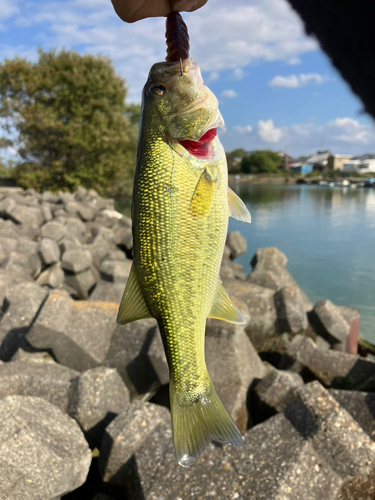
{"points": [[98, 395], [32, 357], [124, 237], [82, 282], [69, 243], [87, 212], [27, 216], [115, 271], [36, 377], [76, 260], [265, 467], [329, 323], [54, 230], [115, 255], [132, 432], [332, 368], [22, 301], [261, 327], [290, 308], [107, 291], [230, 270], [360, 405], [274, 392], [18, 264], [236, 243], [72, 207], [137, 352], [338, 439], [269, 271], [52, 277], [49, 251], [78, 332], [75, 228], [233, 365], [46, 212], [43, 453]]}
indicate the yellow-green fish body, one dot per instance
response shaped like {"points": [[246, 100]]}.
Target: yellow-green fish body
{"points": [[180, 219]]}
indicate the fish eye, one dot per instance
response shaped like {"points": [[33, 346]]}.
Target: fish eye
{"points": [[158, 89]]}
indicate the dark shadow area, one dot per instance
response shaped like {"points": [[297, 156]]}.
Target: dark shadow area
{"points": [[258, 412], [128, 474], [301, 418], [161, 398], [271, 357], [345, 32]]}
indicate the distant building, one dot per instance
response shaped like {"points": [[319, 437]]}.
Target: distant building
{"points": [[336, 162], [301, 168], [319, 161], [361, 164]]}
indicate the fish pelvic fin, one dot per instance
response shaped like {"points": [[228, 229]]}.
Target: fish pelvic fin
{"points": [[133, 305], [195, 424], [223, 308], [237, 208]]}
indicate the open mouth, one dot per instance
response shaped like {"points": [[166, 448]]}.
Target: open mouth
{"points": [[203, 146]]}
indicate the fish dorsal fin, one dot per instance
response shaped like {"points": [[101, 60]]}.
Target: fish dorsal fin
{"points": [[133, 305], [237, 208], [223, 308], [203, 195]]}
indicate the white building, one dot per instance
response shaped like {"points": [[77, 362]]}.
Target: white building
{"points": [[367, 166], [362, 166]]}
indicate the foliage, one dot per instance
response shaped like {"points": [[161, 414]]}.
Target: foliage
{"points": [[234, 160], [265, 161], [70, 120]]}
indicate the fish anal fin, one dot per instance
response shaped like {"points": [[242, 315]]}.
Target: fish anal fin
{"points": [[223, 308], [133, 305], [237, 208], [203, 195]]}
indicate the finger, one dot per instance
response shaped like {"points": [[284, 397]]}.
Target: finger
{"points": [[187, 5], [134, 10]]}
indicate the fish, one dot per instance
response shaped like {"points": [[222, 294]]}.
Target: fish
{"points": [[180, 208]]}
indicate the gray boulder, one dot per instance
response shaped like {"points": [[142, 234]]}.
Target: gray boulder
{"points": [[338, 439], [38, 377], [54, 230], [233, 365], [22, 301], [108, 291], [49, 251], [290, 308], [18, 264], [124, 236], [133, 433], [236, 243], [52, 277], [83, 282], [115, 271], [78, 332], [137, 352], [97, 396], [269, 271], [43, 454], [77, 260]]}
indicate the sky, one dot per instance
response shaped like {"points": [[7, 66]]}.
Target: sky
{"points": [[276, 89]]}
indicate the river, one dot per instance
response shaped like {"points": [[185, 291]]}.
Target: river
{"points": [[328, 236]]}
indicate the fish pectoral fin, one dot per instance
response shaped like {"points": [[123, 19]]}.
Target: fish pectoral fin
{"points": [[237, 208], [223, 308], [203, 195], [133, 305]]}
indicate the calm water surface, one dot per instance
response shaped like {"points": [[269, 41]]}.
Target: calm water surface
{"points": [[328, 236]]}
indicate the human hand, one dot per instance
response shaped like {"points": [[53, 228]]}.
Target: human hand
{"points": [[134, 10]]}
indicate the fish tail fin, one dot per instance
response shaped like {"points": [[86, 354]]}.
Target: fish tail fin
{"points": [[195, 424]]}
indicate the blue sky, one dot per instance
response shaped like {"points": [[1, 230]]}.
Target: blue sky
{"points": [[276, 88]]}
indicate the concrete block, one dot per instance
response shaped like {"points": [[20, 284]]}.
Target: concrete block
{"points": [[54, 230], [49, 251], [236, 243], [77, 260], [52, 277], [290, 308], [82, 282], [115, 271], [107, 291]]}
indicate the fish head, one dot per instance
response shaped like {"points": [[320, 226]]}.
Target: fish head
{"points": [[183, 109]]}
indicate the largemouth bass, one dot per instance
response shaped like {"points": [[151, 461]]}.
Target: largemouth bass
{"points": [[180, 210]]}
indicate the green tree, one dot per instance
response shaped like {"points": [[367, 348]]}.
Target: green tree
{"points": [[265, 161], [70, 119], [234, 160]]}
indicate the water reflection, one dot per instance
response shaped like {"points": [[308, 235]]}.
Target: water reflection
{"points": [[328, 236]]}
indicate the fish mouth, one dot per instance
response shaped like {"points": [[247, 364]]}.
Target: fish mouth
{"points": [[202, 147]]}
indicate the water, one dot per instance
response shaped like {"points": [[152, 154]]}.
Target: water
{"points": [[328, 236]]}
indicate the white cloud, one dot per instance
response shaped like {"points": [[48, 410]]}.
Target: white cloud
{"points": [[247, 129], [238, 74], [341, 135], [229, 94], [296, 81], [212, 77], [237, 34], [268, 132]]}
